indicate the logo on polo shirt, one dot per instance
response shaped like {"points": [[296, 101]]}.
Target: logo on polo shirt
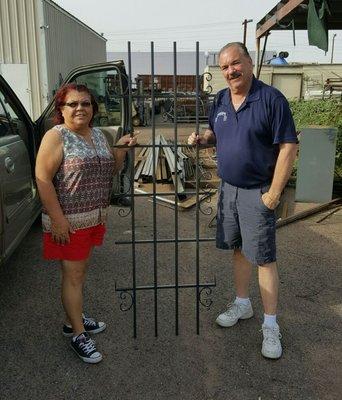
{"points": [[221, 114]]}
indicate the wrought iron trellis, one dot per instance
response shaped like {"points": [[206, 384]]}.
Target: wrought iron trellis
{"points": [[128, 295]]}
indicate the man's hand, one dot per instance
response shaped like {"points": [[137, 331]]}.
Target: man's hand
{"points": [[194, 138], [207, 138], [270, 201]]}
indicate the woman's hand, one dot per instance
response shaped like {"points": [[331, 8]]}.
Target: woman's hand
{"points": [[119, 153], [60, 230], [128, 140]]}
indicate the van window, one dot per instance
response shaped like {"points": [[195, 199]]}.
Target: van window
{"points": [[15, 125], [5, 128], [106, 87]]}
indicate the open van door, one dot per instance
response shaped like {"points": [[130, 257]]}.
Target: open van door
{"points": [[19, 200], [20, 139], [108, 82]]}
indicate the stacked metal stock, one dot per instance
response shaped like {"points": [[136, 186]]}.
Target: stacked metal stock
{"points": [[166, 170]]}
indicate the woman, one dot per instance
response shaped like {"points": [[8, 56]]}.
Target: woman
{"points": [[74, 172]]}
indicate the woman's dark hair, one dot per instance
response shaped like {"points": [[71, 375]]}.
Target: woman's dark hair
{"points": [[60, 101]]}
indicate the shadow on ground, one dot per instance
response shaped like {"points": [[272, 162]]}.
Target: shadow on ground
{"points": [[218, 364]]}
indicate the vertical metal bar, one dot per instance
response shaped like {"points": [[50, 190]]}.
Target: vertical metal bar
{"points": [[197, 190], [130, 128], [176, 185], [263, 54], [155, 271], [257, 57], [293, 33]]}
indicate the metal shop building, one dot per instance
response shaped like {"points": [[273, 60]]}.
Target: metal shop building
{"points": [[295, 81], [40, 43]]}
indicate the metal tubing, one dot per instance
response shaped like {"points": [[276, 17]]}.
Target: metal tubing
{"points": [[155, 269], [149, 194], [307, 213], [197, 191], [159, 145], [181, 286], [159, 96], [148, 241], [176, 186], [132, 193]]}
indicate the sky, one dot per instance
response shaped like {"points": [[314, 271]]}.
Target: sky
{"points": [[212, 23]]}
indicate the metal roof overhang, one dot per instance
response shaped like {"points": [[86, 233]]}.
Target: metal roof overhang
{"points": [[281, 16]]}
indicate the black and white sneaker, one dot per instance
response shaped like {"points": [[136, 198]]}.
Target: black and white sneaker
{"points": [[90, 326], [85, 348]]}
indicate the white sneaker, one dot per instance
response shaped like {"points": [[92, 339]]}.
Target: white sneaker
{"points": [[234, 312], [271, 346]]}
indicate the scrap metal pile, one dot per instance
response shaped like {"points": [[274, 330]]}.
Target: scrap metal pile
{"points": [[165, 165], [171, 171], [186, 109]]}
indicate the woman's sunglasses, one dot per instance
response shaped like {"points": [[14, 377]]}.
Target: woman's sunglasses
{"points": [[75, 104]]}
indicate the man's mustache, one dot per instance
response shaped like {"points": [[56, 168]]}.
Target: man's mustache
{"points": [[234, 75]]}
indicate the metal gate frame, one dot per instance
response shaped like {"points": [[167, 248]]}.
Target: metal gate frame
{"points": [[201, 288]]}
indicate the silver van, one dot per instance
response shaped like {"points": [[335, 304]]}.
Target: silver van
{"points": [[20, 138]]}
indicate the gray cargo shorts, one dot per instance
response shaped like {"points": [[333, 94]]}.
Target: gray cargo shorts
{"points": [[244, 222]]}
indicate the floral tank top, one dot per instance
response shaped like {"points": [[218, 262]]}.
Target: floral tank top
{"points": [[83, 182]]}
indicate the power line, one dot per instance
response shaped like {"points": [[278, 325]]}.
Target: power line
{"points": [[201, 26], [174, 38], [168, 34]]}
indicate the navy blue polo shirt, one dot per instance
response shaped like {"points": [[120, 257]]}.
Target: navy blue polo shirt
{"points": [[247, 140]]}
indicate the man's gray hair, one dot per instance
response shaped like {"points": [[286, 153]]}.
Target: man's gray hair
{"points": [[240, 45]]}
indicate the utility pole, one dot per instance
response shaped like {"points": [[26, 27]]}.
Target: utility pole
{"points": [[245, 22], [332, 48]]}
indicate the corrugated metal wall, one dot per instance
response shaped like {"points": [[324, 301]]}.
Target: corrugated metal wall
{"points": [[50, 40], [69, 43], [19, 35]]}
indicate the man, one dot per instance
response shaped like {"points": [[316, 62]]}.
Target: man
{"points": [[252, 127]]}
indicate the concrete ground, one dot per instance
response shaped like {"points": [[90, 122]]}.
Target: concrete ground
{"points": [[37, 363]]}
